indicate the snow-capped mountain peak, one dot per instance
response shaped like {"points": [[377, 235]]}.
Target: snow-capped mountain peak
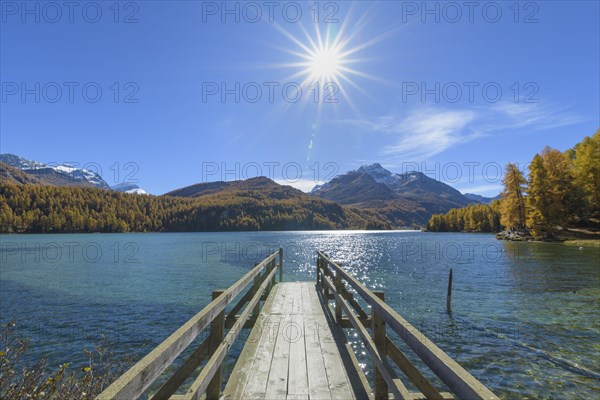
{"points": [[21, 162], [59, 175], [128, 187], [316, 188], [380, 174], [81, 174]]}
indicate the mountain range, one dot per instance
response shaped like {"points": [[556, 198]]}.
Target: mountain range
{"points": [[405, 199], [34, 172], [371, 192], [482, 199]]}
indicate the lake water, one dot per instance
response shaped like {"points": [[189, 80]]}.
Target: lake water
{"points": [[525, 321]]}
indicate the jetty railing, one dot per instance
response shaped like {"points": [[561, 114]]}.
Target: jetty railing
{"points": [[332, 279], [133, 383]]}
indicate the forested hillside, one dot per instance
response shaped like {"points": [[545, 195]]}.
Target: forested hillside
{"points": [[474, 218], [32, 208]]}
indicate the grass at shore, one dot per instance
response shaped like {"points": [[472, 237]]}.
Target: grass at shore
{"points": [[580, 237], [583, 243], [572, 236]]}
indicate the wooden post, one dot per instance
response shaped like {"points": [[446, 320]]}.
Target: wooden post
{"points": [[257, 282], [380, 339], [280, 264], [217, 333], [324, 266], [449, 297], [318, 268], [270, 266], [321, 270], [338, 303], [322, 278]]}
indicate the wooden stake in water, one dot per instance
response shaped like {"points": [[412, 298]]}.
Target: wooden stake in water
{"points": [[449, 297]]}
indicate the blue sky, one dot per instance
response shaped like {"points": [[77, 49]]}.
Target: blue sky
{"points": [[451, 91]]}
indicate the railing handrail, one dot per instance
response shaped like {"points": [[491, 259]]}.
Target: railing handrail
{"points": [[459, 380], [139, 377], [214, 363]]}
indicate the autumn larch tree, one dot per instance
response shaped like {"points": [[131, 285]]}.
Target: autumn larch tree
{"points": [[586, 171], [512, 208]]}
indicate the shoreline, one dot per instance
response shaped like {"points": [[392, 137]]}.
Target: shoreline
{"points": [[582, 243], [572, 238], [569, 237]]}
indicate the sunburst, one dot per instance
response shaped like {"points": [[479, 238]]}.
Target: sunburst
{"points": [[328, 58], [324, 64], [329, 65], [325, 58]]}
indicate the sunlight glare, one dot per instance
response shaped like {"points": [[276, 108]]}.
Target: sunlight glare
{"points": [[325, 64]]}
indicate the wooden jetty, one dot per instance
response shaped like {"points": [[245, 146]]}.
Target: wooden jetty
{"points": [[297, 347]]}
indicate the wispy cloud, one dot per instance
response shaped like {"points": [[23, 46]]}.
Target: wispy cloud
{"points": [[305, 185], [428, 131], [423, 133], [484, 190], [534, 115]]}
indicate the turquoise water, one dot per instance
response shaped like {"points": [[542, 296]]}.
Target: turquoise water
{"points": [[525, 316]]}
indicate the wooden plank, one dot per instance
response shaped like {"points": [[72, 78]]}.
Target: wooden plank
{"points": [[318, 278], [324, 368], [380, 340], [318, 385], [138, 378], [356, 376], [339, 385], [297, 305], [278, 373], [243, 367], [357, 379], [350, 297], [412, 372], [247, 296], [200, 384], [345, 322], [461, 382], [358, 385], [256, 385], [297, 375], [255, 287], [243, 300], [229, 322], [183, 372], [280, 264], [274, 279], [421, 396], [338, 307], [217, 331], [395, 385]]}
